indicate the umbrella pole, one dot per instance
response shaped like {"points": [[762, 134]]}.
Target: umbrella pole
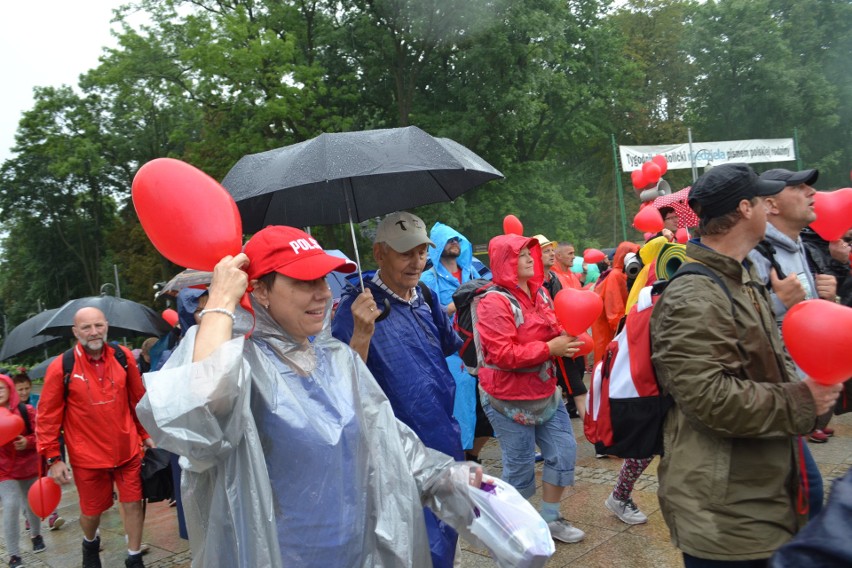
{"points": [[346, 197]]}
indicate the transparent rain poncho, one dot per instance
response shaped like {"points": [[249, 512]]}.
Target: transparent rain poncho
{"points": [[292, 455]]}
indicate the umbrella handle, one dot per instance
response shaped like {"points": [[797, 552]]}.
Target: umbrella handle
{"points": [[385, 312]]}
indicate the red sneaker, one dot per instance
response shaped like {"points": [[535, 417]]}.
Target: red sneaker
{"points": [[818, 437], [828, 432]]}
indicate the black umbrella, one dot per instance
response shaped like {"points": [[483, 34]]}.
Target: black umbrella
{"points": [[25, 338], [39, 370], [126, 318], [352, 176]]}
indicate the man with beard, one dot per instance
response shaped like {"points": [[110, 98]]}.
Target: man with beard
{"points": [[452, 266], [97, 411]]}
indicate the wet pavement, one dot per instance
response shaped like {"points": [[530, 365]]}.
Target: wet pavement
{"points": [[609, 542]]}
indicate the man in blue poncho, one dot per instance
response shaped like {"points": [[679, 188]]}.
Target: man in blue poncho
{"points": [[452, 266], [405, 352]]}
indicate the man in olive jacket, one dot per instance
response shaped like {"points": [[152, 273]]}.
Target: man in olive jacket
{"points": [[729, 488]]}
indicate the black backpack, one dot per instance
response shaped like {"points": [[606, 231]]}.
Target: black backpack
{"points": [[465, 297], [157, 481], [68, 364]]}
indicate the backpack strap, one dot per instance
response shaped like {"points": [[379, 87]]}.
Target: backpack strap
{"points": [[702, 269], [67, 367], [22, 408], [767, 250], [68, 364], [519, 320]]}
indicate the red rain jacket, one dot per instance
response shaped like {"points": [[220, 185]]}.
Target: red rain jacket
{"points": [[509, 347], [15, 464], [101, 428], [613, 291]]}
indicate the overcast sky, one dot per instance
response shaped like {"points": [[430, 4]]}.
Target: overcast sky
{"points": [[46, 43]]}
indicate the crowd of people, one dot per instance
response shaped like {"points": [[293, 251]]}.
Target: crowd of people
{"points": [[304, 436]]}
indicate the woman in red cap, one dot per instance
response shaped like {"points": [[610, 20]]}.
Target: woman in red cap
{"points": [[291, 452]]}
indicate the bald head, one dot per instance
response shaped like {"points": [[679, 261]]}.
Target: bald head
{"points": [[90, 328]]}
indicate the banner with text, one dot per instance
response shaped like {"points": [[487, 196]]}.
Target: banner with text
{"points": [[713, 153]]}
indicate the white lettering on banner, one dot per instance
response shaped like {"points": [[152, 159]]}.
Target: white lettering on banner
{"points": [[304, 244], [679, 156]]}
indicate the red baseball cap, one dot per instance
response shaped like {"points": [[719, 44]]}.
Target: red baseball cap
{"points": [[290, 252]]}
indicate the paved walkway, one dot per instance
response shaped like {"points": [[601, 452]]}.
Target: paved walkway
{"points": [[609, 543]]}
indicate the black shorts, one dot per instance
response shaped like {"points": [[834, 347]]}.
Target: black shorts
{"points": [[575, 369]]}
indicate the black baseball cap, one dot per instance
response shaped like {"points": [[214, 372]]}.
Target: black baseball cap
{"points": [[721, 189], [807, 177]]}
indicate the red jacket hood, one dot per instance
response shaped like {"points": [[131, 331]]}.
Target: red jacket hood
{"points": [[14, 399], [621, 251], [503, 253]]}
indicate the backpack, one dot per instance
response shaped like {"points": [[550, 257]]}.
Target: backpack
{"points": [[466, 298], [625, 407], [68, 364], [157, 480]]}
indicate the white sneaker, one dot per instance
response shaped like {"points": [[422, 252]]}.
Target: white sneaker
{"points": [[560, 529], [626, 510]]}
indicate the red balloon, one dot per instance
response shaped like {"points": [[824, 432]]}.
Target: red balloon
{"points": [[512, 225], [652, 172], [188, 216], [834, 213], [682, 235], [638, 179], [592, 256], [663, 164], [44, 496], [577, 309], [588, 345], [649, 220], [822, 351], [170, 316], [11, 426]]}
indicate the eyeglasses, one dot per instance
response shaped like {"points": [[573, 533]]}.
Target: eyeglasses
{"points": [[103, 390], [671, 217], [847, 240]]}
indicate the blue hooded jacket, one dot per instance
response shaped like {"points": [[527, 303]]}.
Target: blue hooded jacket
{"points": [[439, 278]]}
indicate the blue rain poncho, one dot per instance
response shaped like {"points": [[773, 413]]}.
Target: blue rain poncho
{"points": [[293, 457], [439, 280]]}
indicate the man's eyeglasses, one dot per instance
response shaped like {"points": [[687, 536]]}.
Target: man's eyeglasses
{"points": [[671, 217], [847, 240]]}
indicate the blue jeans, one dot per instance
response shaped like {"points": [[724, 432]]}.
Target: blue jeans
{"points": [[555, 438], [815, 489]]}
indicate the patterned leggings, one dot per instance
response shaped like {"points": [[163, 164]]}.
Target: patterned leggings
{"points": [[630, 472]]}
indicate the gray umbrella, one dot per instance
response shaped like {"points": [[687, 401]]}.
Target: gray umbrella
{"points": [[39, 370], [352, 176], [188, 278], [126, 318], [25, 338]]}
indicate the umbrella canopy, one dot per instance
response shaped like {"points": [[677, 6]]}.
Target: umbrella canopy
{"points": [[679, 201], [352, 176], [25, 337], [40, 370], [188, 278], [126, 318]]}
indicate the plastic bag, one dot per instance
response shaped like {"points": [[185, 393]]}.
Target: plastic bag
{"points": [[508, 526]]}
